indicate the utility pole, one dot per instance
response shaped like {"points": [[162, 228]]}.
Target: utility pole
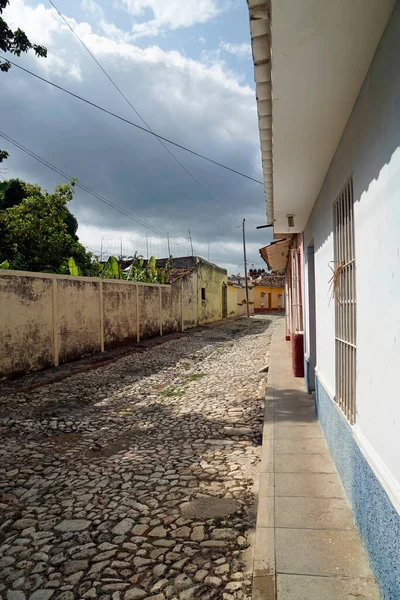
{"points": [[191, 243], [245, 269], [208, 251], [101, 250], [169, 249], [147, 247]]}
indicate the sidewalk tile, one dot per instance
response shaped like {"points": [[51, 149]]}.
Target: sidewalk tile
{"points": [[304, 463], [313, 513], [320, 552], [304, 587], [325, 485], [304, 446]]}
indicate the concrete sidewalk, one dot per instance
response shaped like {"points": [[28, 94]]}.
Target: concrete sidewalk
{"points": [[306, 545]]}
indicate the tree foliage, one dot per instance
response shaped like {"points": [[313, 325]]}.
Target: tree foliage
{"points": [[138, 270], [37, 231], [15, 42]]}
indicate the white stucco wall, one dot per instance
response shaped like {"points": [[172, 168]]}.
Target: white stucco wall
{"points": [[370, 150]]}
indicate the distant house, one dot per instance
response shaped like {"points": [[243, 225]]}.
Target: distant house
{"points": [[269, 293], [205, 289]]}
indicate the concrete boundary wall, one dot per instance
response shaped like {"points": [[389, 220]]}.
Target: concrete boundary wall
{"points": [[47, 319]]}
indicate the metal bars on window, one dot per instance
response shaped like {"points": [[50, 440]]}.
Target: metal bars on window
{"points": [[344, 282]]}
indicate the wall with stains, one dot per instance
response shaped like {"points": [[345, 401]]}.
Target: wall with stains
{"points": [[171, 308], [237, 306], [120, 313], [232, 301], [47, 320], [26, 324], [77, 318], [190, 300], [211, 279]]}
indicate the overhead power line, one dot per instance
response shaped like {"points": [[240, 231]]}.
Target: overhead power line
{"points": [[120, 118], [175, 158], [88, 190]]}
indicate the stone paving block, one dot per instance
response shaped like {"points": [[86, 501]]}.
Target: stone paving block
{"points": [[300, 463], [320, 552], [308, 484], [303, 587], [313, 513], [122, 474]]}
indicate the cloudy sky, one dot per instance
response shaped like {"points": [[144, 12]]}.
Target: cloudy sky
{"points": [[186, 68]]}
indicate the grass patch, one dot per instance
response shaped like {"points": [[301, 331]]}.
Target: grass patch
{"points": [[171, 391], [193, 377]]}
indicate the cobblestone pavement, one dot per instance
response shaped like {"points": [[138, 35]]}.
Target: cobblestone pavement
{"points": [[135, 480]]}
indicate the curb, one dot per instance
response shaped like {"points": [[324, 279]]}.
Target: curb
{"points": [[264, 564]]}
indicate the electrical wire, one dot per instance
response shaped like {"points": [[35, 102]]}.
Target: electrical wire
{"points": [[119, 117], [137, 112], [203, 188], [90, 191]]}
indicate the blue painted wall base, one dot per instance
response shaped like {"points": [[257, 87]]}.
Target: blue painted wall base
{"points": [[307, 382], [376, 519]]}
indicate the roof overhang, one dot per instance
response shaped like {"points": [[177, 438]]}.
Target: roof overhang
{"points": [[276, 254], [316, 53]]}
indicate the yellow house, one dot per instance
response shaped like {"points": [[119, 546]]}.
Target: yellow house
{"points": [[237, 301], [269, 294]]}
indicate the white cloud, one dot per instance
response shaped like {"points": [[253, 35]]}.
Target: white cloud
{"points": [[169, 14], [203, 106], [240, 50]]}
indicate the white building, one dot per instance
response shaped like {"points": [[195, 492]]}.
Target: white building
{"points": [[328, 94]]}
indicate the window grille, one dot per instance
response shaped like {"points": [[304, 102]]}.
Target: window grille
{"points": [[345, 301]]}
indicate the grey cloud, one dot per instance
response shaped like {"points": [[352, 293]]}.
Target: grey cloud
{"points": [[130, 167]]}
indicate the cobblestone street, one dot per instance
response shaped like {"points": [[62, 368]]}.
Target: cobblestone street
{"points": [[136, 479]]}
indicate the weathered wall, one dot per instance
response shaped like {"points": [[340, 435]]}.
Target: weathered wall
{"points": [[26, 323], [190, 300], [149, 311], [49, 319], [241, 308], [120, 313], [211, 278], [232, 301], [237, 301], [77, 318], [171, 308]]}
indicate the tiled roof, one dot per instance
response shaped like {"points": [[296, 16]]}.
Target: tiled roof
{"points": [[275, 281]]}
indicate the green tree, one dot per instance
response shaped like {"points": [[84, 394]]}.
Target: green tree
{"points": [[16, 190], [15, 42], [36, 232]]}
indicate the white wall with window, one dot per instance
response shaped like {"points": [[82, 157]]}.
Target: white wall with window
{"points": [[369, 152]]}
